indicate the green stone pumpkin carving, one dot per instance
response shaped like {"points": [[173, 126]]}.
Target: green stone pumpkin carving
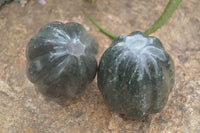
{"points": [[61, 59], [136, 75]]}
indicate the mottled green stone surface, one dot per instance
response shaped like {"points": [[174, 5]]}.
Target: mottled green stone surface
{"points": [[136, 75], [61, 59]]}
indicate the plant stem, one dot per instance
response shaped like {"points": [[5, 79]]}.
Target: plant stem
{"points": [[169, 10], [98, 26]]}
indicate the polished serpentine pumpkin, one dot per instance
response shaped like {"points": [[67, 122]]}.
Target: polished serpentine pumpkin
{"points": [[136, 75], [61, 59]]}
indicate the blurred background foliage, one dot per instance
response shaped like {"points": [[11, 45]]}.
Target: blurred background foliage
{"points": [[90, 1]]}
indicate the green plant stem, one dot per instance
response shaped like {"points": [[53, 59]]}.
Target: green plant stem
{"points": [[98, 26], [168, 12]]}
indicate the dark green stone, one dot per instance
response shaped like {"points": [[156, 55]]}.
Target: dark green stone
{"points": [[61, 59], [136, 75]]}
